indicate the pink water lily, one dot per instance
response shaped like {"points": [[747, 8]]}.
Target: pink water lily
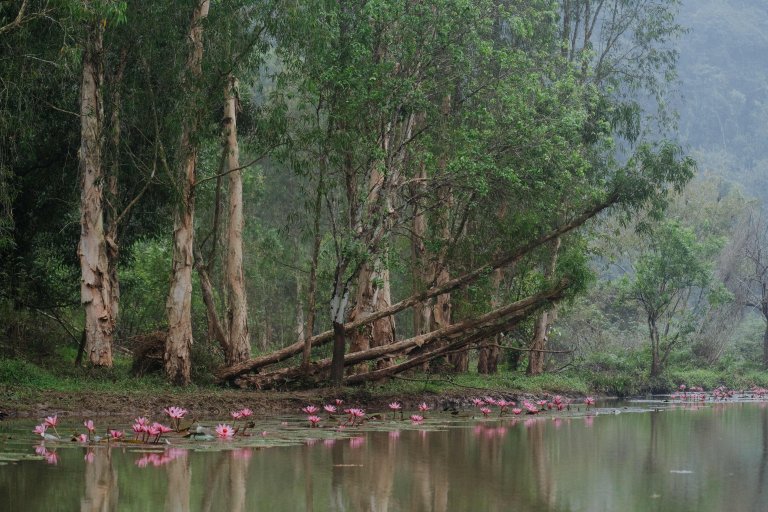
{"points": [[330, 409], [236, 415], [224, 431], [246, 413], [338, 402], [88, 424], [516, 411], [478, 402], [175, 413], [40, 429], [142, 420], [115, 435], [485, 410], [82, 438], [423, 407], [417, 419], [395, 406], [313, 421], [52, 421], [310, 409], [589, 401]]}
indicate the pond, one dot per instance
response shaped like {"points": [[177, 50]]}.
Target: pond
{"points": [[708, 457]]}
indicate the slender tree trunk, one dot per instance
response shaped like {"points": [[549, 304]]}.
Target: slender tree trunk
{"points": [[237, 315], [545, 319], [95, 285], [338, 316], [765, 347], [312, 293], [655, 359], [215, 329], [178, 346], [113, 200], [489, 352], [300, 323], [422, 311]]}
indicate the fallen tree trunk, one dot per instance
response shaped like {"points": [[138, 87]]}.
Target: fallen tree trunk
{"points": [[230, 372], [504, 315]]}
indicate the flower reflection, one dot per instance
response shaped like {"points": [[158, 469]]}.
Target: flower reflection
{"points": [[395, 434], [242, 454], [329, 442], [588, 420], [89, 457], [356, 442], [50, 456], [160, 459]]}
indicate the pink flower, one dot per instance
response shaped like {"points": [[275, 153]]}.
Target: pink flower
{"points": [[40, 429], [138, 428], [417, 419], [516, 411], [589, 401], [489, 400], [89, 425], [330, 409], [175, 412], [423, 407], [224, 431], [51, 421], [478, 402], [236, 415], [115, 434], [542, 403], [142, 420], [395, 406], [313, 421], [82, 438], [338, 402], [485, 410], [163, 429], [310, 409], [557, 400], [246, 413], [682, 387]]}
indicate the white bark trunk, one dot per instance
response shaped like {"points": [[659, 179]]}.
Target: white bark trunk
{"points": [[239, 338], [95, 284], [178, 346]]}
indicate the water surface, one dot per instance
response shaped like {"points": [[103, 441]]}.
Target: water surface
{"points": [[698, 458]]}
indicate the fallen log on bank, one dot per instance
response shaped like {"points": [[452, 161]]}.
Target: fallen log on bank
{"points": [[483, 325], [231, 372]]}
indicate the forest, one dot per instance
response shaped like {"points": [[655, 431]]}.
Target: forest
{"points": [[282, 194]]}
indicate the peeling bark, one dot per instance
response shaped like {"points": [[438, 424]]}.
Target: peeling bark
{"points": [[178, 346], [95, 284], [239, 349], [489, 352]]}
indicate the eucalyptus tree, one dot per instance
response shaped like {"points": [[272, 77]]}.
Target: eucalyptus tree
{"points": [[625, 50], [495, 145]]}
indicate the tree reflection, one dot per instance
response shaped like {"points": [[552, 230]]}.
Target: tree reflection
{"points": [[101, 490]]}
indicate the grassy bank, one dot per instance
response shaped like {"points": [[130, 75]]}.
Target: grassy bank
{"points": [[30, 389]]}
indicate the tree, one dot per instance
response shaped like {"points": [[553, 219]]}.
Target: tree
{"points": [[671, 281]]}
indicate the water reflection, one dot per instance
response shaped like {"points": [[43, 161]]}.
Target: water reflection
{"points": [[707, 459]]}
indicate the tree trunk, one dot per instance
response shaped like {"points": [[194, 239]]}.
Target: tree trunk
{"points": [[237, 315], [113, 200], [95, 284], [312, 293], [489, 352], [538, 345], [215, 329], [373, 294], [178, 345], [338, 315], [485, 325], [422, 311], [457, 282], [655, 359], [764, 310]]}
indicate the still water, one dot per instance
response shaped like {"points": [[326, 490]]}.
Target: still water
{"points": [[707, 458]]}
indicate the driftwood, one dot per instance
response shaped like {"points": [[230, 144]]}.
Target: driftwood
{"points": [[459, 334], [231, 372]]}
